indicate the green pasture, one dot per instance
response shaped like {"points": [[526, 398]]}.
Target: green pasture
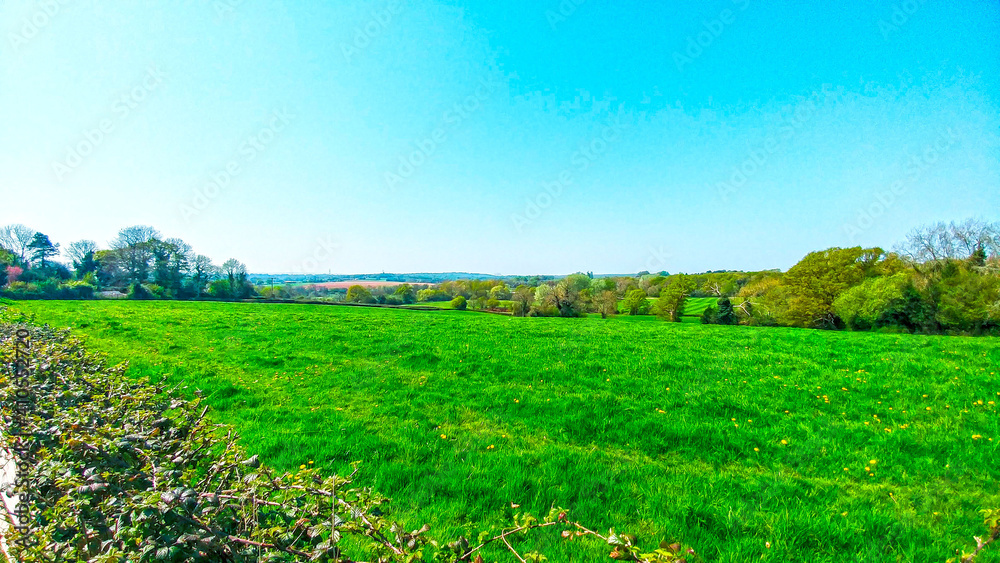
{"points": [[751, 444]]}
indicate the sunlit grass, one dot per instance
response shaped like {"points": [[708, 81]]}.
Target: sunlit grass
{"points": [[829, 446]]}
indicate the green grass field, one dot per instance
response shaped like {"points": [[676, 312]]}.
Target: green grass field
{"points": [[829, 446], [695, 306]]}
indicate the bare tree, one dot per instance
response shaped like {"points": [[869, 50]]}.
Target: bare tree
{"points": [[202, 272], [16, 238], [972, 235], [955, 240], [134, 246], [78, 250]]}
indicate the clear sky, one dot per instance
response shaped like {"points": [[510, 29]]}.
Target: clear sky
{"points": [[511, 137]]}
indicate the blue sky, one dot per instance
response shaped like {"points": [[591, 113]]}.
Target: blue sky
{"points": [[499, 137]]}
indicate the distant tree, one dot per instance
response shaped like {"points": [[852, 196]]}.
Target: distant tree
{"points": [[42, 248], [235, 273], [359, 294], [202, 272], [634, 301], [171, 262], [134, 246], [607, 303], [13, 273], [110, 272], [726, 314], [139, 291], [500, 292], [16, 238], [88, 265], [220, 288], [459, 303], [493, 304], [565, 297], [670, 304], [523, 297], [959, 241], [709, 316], [861, 306], [817, 280], [406, 293], [77, 253], [541, 294]]}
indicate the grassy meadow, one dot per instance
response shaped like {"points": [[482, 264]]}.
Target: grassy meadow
{"points": [[748, 444]]}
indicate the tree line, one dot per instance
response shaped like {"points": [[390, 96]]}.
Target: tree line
{"points": [[943, 278], [139, 263]]}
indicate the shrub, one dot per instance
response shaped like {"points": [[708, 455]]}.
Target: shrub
{"points": [[459, 303], [709, 316]]}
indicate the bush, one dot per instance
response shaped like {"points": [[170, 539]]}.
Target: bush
{"points": [[138, 291], [459, 303], [709, 316]]}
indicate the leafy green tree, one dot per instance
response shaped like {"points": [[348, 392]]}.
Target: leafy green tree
{"points": [[819, 278], [87, 266], [968, 301], [726, 314], [634, 301], [523, 296], [42, 248], [406, 293], [565, 297], [359, 294], [459, 303], [709, 316], [606, 303], [500, 292], [670, 305], [862, 305]]}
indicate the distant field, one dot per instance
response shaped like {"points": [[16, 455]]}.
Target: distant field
{"points": [[829, 446], [695, 306]]}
